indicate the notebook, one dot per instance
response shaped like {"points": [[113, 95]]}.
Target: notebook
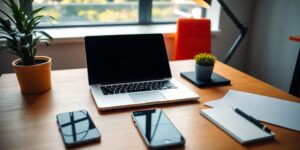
{"points": [[272, 110], [235, 125]]}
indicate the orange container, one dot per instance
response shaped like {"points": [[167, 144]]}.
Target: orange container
{"points": [[34, 78]]}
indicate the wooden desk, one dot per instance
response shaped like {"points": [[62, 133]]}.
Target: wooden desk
{"points": [[28, 121]]}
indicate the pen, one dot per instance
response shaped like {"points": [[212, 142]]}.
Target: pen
{"points": [[253, 120]]}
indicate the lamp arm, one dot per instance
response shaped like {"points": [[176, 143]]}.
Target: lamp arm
{"points": [[233, 48], [243, 30]]}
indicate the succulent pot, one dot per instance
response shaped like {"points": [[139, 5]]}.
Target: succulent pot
{"points": [[204, 72], [34, 78]]}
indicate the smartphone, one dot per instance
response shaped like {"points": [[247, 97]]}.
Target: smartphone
{"points": [[77, 128], [156, 129]]}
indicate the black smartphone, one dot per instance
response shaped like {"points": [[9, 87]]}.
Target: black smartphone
{"points": [[77, 128], [156, 129]]}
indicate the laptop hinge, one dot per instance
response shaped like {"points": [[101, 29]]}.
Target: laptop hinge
{"points": [[133, 82]]}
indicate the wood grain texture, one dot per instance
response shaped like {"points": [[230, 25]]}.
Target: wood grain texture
{"points": [[29, 121]]}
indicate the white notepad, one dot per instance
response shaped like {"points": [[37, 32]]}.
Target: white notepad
{"points": [[268, 109], [235, 125]]}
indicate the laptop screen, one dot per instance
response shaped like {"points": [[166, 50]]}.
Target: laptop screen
{"points": [[126, 58]]}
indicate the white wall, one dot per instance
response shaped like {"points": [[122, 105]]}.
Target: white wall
{"points": [[71, 55], [271, 55]]}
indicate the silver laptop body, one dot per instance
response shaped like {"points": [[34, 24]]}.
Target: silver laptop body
{"points": [[131, 70]]}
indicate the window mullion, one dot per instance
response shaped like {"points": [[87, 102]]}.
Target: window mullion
{"points": [[145, 9]]}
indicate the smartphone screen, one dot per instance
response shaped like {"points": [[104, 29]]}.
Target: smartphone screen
{"points": [[77, 128], [156, 129]]}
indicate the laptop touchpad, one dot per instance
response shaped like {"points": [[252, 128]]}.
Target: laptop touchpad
{"points": [[146, 97]]}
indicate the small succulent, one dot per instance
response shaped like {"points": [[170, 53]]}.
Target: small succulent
{"points": [[18, 31], [205, 59]]}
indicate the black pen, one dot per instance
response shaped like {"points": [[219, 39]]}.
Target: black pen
{"points": [[253, 120]]}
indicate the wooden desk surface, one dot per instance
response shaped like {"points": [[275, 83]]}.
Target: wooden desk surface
{"points": [[28, 121]]}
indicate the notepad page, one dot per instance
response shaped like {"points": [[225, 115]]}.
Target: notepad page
{"points": [[235, 125], [268, 109]]}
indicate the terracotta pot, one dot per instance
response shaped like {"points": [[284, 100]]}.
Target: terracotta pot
{"points": [[35, 78]]}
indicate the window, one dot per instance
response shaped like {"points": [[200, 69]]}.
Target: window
{"points": [[170, 10], [116, 12]]}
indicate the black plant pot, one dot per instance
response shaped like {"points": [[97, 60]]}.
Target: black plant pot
{"points": [[203, 72]]}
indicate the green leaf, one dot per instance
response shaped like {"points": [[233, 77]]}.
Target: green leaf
{"points": [[36, 41], [7, 3], [18, 15], [8, 16], [51, 17], [18, 30], [205, 59], [27, 6], [35, 12], [45, 34], [33, 23], [6, 26], [14, 48], [19, 54], [47, 43], [20, 35], [13, 6], [4, 37], [34, 51], [5, 33]]}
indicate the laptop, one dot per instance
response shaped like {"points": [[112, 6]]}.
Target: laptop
{"points": [[131, 70]]}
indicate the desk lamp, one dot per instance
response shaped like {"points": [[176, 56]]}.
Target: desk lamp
{"points": [[242, 28]]}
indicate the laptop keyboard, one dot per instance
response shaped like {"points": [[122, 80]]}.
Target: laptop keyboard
{"points": [[137, 87]]}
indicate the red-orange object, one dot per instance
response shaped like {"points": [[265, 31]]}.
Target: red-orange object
{"points": [[295, 38], [192, 37]]}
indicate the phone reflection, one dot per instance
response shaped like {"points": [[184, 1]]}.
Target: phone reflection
{"points": [[77, 127], [157, 128]]}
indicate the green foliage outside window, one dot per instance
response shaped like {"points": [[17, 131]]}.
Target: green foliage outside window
{"points": [[90, 10], [105, 11]]}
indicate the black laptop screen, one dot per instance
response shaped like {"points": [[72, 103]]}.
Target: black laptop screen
{"points": [[126, 58]]}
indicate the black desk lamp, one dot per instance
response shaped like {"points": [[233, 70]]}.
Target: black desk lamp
{"points": [[242, 28]]}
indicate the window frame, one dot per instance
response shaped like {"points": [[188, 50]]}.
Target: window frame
{"points": [[144, 18]]}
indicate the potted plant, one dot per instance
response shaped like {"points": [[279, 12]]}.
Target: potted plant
{"points": [[204, 65], [21, 38]]}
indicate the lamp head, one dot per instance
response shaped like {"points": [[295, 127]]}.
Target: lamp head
{"points": [[203, 3]]}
